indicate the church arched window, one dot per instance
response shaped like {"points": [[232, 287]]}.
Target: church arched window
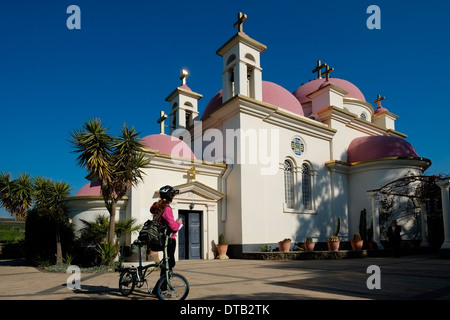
{"points": [[363, 116], [306, 187], [289, 193]]}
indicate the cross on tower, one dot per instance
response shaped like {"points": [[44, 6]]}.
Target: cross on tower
{"points": [[161, 121], [318, 69], [184, 74], [239, 24], [378, 100]]}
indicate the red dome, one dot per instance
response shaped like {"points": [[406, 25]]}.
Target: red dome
{"points": [[272, 93], [168, 145], [311, 86], [376, 147]]}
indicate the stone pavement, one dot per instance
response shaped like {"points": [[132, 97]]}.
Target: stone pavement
{"points": [[415, 277]]}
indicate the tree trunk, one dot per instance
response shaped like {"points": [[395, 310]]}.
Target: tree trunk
{"points": [[112, 222], [59, 257]]}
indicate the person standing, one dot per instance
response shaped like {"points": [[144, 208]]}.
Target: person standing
{"points": [[394, 238], [167, 193]]}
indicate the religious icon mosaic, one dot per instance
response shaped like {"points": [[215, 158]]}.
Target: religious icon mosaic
{"points": [[297, 146]]}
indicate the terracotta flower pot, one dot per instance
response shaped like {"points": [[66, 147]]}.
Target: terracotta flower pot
{"points": [[357, 244], [284, 246], [222, 249], [309, 246], [333, 245]]}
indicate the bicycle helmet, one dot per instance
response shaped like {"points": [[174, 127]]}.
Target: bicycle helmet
{"points": [[167, 192]]}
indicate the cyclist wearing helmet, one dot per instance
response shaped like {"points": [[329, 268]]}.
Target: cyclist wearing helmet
{"points": [[167, 193]]}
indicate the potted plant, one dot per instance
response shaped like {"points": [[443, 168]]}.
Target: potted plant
{"points": [[285, 245], [334, 241], [357, 242], [309, 244], [222, 248]]}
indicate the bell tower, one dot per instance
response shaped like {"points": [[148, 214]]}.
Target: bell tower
{"points": [[183, 105], [242, 73]]}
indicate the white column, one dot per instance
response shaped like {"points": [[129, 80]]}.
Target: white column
{"points": [[226, 86], [444, 185], [373, 195]]}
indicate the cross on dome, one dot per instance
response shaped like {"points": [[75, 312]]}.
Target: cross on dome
{"points": [[161, 121], [239, 23], [378, 100], [328, 71], [319, 68]]}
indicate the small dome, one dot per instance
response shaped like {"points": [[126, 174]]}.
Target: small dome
{"points": [[311, 86], [376, 147], [380, 109], [92, 189], [168, 145], [184, 87], [272, 93]]}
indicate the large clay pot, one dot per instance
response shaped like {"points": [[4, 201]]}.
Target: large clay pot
{"points": [[222, 249]]}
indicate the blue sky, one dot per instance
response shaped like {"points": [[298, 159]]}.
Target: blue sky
{"points": [[128, 55]]}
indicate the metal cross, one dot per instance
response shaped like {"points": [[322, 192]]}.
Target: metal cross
{"points": [[191, 173], [328, 71], [318, 69], [239, 24], [184, 74], [378, 100], [161, 121]]}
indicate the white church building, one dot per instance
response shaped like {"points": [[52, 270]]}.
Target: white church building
{"points": [[261, 163]]}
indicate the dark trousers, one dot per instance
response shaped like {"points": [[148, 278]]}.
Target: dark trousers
{"points": [[171, 246]]}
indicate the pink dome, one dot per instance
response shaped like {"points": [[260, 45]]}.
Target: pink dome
{"points": [[311, 86], [380, 109], [89, 190], [185, 87], [272, 93], [376, 147], [168, 145]]}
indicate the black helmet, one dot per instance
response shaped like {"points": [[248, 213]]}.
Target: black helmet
{"points": [[167, 192]]}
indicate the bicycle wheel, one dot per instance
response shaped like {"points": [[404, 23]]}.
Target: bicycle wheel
{"points": [[126, 282], [178, 291]]}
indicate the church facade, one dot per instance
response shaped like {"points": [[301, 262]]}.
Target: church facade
{"points": [[261, 164]]}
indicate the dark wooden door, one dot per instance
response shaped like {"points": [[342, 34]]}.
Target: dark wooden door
{"points": [[189, 237]]}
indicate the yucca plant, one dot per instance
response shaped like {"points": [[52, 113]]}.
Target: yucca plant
{"points": [[107, 252], [116, 162]]}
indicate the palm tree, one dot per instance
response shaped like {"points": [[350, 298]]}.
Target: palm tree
{"points": [[16, 196], [51, 198], [117, 162]]}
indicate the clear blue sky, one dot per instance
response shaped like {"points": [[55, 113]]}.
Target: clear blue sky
{"points": [[128, 56]]}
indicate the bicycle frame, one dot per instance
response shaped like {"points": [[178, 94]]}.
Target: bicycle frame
{"points": [[164, 263]]}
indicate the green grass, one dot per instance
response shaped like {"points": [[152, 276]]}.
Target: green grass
{"points": [[12, 231]]}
